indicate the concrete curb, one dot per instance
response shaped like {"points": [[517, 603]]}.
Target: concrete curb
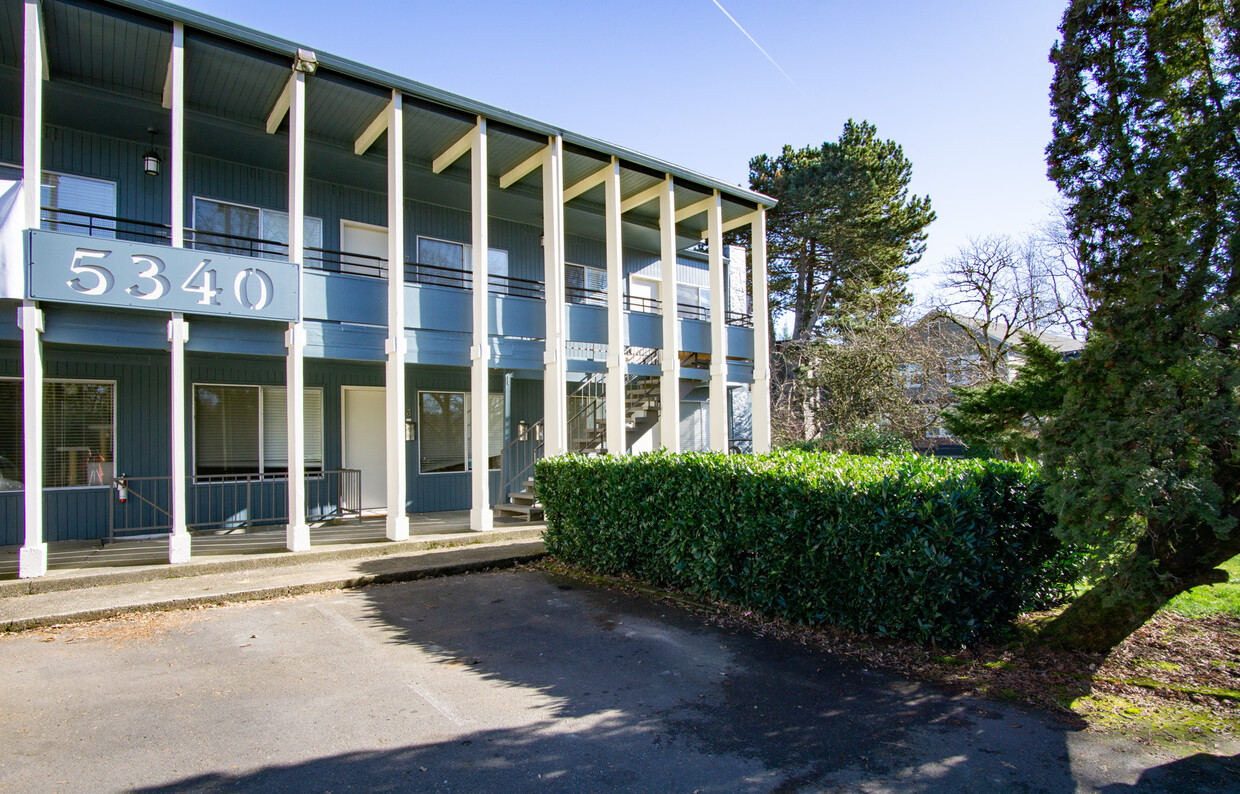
{"points": [[419, 569], [54, 584]]}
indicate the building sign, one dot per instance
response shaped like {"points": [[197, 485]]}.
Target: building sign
{"points": [[103, 272]]}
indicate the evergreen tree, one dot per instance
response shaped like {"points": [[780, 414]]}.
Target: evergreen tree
{"points": [[845, 231], [1145, 454]]}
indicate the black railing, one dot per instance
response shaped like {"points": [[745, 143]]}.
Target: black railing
{"points": [[691, 311], [332, 261], [229, 502], [640, 303], [518, 457]]}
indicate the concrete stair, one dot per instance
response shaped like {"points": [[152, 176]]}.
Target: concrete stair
{"points": [[523, 503]]}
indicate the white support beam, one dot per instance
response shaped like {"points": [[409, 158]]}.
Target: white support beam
{"points": [[394, 388], [480, 516], [718, 328], [455, 152], [297, 534], [582, 185], [280, 109], [32, 557], [555, 375], [32, 112], [669, 382], [178, 539], [644, 197], [614, 397], [373, 130], [736, 223], [174, 89], [695, 208], [524, 169], [166, 99], [761, 402]]}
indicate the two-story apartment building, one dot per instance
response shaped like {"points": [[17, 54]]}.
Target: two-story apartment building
{"points": [[245, 282]]}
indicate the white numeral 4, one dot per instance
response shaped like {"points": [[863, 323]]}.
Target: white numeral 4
{"points": [[206, 287]]}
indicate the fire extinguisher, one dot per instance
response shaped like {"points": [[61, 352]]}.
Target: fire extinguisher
{"points": [[122, 489]]}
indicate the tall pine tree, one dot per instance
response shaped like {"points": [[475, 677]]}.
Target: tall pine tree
{"points": [[1145, 453]]}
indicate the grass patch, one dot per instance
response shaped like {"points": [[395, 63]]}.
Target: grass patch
{"points": [[1211, 599]]}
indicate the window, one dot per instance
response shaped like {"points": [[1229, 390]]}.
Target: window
{"points": [[253, 231], [244, 430], [583, 284], [78, 198], [444, 443], [457, 256], [79, 431], [695, 427], [910, 375], [694, 302]]}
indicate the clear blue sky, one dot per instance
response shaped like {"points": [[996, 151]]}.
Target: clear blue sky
{"points": [[962, 86]]}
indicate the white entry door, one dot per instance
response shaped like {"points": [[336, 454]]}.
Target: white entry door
{"points": [[365, 442], [364, 247]]}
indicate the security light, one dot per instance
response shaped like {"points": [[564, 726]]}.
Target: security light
{"points": [[305, 62]]}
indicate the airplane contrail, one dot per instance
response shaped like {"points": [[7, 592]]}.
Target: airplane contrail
{"points": [[756, 44]]}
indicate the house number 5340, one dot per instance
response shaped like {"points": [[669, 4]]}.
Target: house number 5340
{"points": [[252, 286]]}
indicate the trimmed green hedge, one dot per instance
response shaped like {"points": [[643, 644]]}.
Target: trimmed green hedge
{"points": [[931, 550]]}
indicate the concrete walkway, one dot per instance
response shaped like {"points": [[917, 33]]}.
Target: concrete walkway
{"points": [[90, 582]]}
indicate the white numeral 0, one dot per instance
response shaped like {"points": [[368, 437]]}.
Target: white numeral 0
{"points": [[103, 276], [242, 288]]}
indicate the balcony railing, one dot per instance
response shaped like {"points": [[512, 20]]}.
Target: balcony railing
{"points": [[365, 265]]}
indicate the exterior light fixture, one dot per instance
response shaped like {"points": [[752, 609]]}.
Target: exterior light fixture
{"points": [[151, 160], [305, 62]]}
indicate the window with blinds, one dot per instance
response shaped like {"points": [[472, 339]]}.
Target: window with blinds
{"points": [[444, 440], [11, 458], [457, 256], [584, 284], [79, 428], [86, 205], [695, 427], [244, 430], [79, 433]]}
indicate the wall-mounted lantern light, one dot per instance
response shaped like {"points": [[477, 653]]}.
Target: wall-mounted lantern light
{"points": [[151, 160]]}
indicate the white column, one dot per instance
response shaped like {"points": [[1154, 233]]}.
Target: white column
{"points": [[394, 392], [555, 376], [297, 535], [614, 384], [669, 383], [761, 340], [179, 544], [480, 515], [32, 558], [179, 540], [718, 328], [176, 153]]}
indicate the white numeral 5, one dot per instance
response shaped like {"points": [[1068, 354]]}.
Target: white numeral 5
{"points": [[103, 276]]}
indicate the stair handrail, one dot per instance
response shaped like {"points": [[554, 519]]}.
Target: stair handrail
{"points": [[519, 455]]}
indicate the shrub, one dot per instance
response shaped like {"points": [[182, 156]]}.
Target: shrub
{"points": [[861, 440], [931, 550]]}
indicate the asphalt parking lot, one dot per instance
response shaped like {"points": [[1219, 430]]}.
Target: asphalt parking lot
{"points": [[508, 682]]}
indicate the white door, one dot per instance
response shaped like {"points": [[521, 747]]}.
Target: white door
{"points": [[365, 443], [364, 247]]}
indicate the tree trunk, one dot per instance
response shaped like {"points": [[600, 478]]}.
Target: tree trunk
{"points": [[1106, 614]]}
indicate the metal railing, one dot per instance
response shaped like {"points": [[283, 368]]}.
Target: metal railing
{"points": [[335, 261], [517, 459], [230, 502], [740, 319]]}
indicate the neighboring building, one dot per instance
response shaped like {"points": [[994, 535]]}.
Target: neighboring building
{"points": [[203, 302], [952, 359]]}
